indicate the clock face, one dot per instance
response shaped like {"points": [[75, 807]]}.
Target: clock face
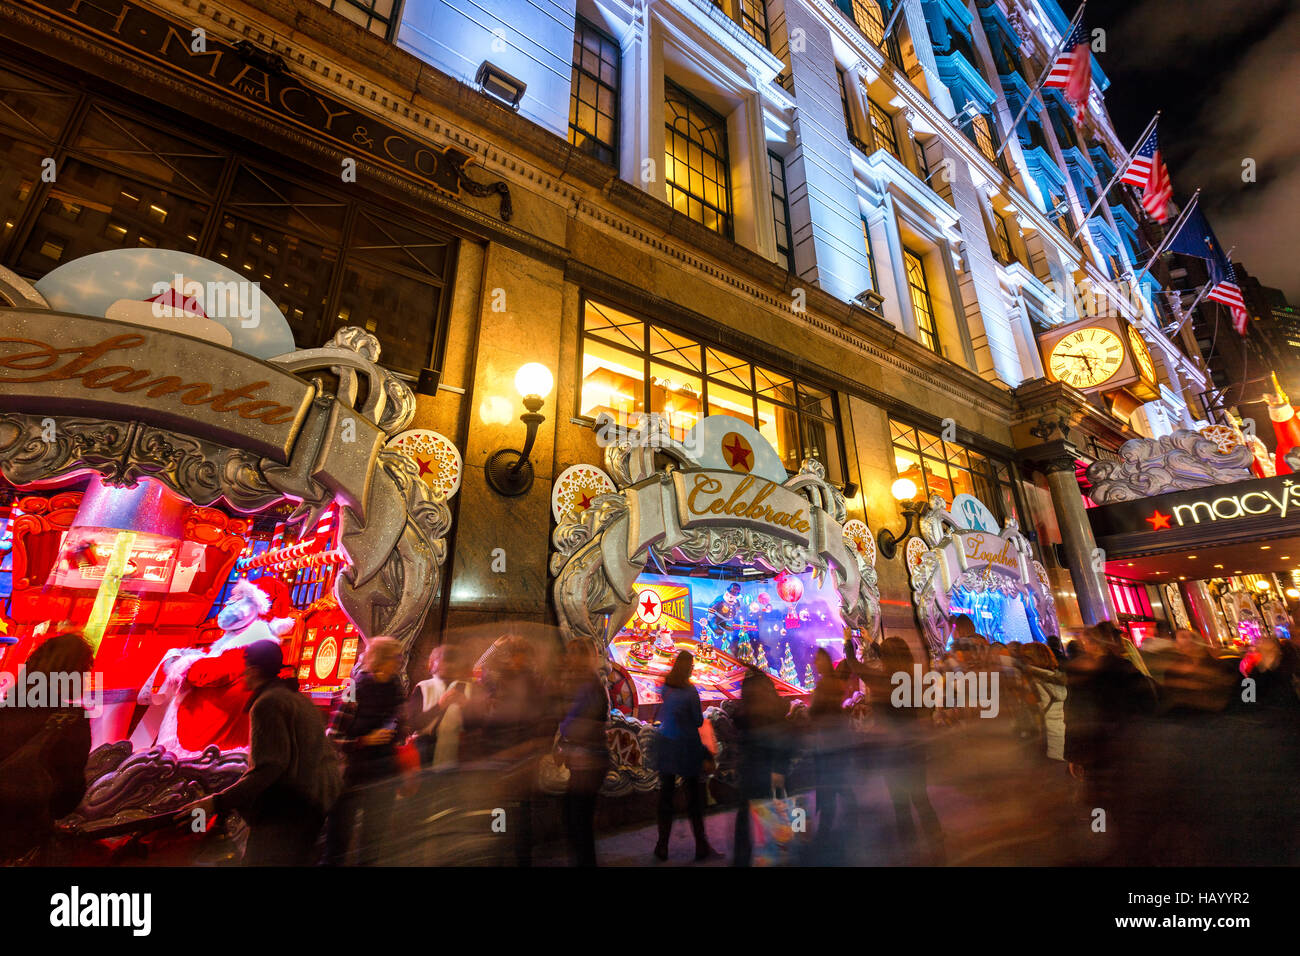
{"points": [[1087, 357], [1142, 354]]}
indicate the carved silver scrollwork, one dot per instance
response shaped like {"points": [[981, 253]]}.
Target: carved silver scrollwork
{"points": [[1157, 466]]}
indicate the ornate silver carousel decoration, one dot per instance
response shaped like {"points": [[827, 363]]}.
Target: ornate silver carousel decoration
{"points": [[668, 509], [948, 557]]}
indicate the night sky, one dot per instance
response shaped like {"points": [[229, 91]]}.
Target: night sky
{"points": [[1226, 73]]}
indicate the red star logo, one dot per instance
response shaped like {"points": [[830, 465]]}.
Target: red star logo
{"points": [[648, 605], [1158, 521], [584, 500], [738, 452], [426, 466]]}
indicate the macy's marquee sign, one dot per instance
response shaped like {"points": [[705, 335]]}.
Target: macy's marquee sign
{"points": [[1226, 507]]}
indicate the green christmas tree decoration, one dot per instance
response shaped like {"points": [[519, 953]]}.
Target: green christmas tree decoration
{"points": [[789, 672]]}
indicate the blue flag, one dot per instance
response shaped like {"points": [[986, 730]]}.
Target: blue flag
{"points": [[1196, 238]]}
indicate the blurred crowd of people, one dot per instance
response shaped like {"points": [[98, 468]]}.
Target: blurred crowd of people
{"points": [[1174, 753]]}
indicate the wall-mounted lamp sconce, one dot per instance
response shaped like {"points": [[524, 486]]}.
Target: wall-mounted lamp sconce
{"points": [[509, 472], [904, 492], [497, 83]]}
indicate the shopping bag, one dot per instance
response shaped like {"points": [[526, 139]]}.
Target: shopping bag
{"points": [[777, 827]]}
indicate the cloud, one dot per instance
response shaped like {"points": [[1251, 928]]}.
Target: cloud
{"points": [[1252, 117], [1163, 32]]}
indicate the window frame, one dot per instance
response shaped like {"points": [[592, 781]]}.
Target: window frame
{"points": [[784, 200], [882, 125], [367, 7], [924, 332], [723, 161], [799, 385], [222, 202], [581, 25], [989, 468]]}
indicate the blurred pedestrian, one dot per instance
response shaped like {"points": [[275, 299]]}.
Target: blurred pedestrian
{"points": [[905, 754], [832, 756], [1106, 695], [43, 748], [584, 750], [293, 777], [515, 719], [437, 708], [765, 751], [679, 752], [367, 724], [1049, 684]]}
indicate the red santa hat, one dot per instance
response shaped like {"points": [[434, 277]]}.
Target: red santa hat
{"points": [[274, 604]]}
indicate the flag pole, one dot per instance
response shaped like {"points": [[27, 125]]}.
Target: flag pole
{"points": [[1205, 290], [893, 18], [1128, 161], [1169, 236], [1047, 71]]}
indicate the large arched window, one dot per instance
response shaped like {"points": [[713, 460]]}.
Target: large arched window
{"points": [[696, 161]]}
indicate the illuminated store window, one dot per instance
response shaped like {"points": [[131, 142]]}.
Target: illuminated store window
{"points": [[631, 366], [882, 128], [781, 212], [325, 259], [922, 305], [377, 16], [593, 102], [696, 161], [948, 469]]}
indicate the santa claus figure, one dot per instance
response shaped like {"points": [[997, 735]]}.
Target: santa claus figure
{"points": [[201, 700]]}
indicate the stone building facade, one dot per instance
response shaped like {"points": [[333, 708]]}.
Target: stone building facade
{"points": [[765, 206]]}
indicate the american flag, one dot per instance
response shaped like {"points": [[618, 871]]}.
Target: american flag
{"points": [[1072, 69], [1229, 293], [1147, 171]]}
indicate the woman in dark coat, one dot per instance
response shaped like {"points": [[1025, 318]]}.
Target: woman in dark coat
{"points": [[47, 780], [680, 753], [765, 752]]}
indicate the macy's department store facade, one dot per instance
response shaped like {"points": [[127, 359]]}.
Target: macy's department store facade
{"points": [[470, 243]]}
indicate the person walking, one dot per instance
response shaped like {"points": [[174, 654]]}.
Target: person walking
{"points": [[765, 754], [437, 708], [679, 752], [905, 757], [43, 750], [1048, 683], [366, 725], [292, 779], [583, 750]]}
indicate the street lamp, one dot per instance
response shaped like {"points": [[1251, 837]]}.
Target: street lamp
{"points": [[904, 492], [509, 472]]}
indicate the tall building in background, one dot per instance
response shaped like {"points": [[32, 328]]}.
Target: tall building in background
{"points": [[813, 216]]}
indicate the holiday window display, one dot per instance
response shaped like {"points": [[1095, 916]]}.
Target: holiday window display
{"points": [[986, 574], [149, 474], [710, 539]]}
